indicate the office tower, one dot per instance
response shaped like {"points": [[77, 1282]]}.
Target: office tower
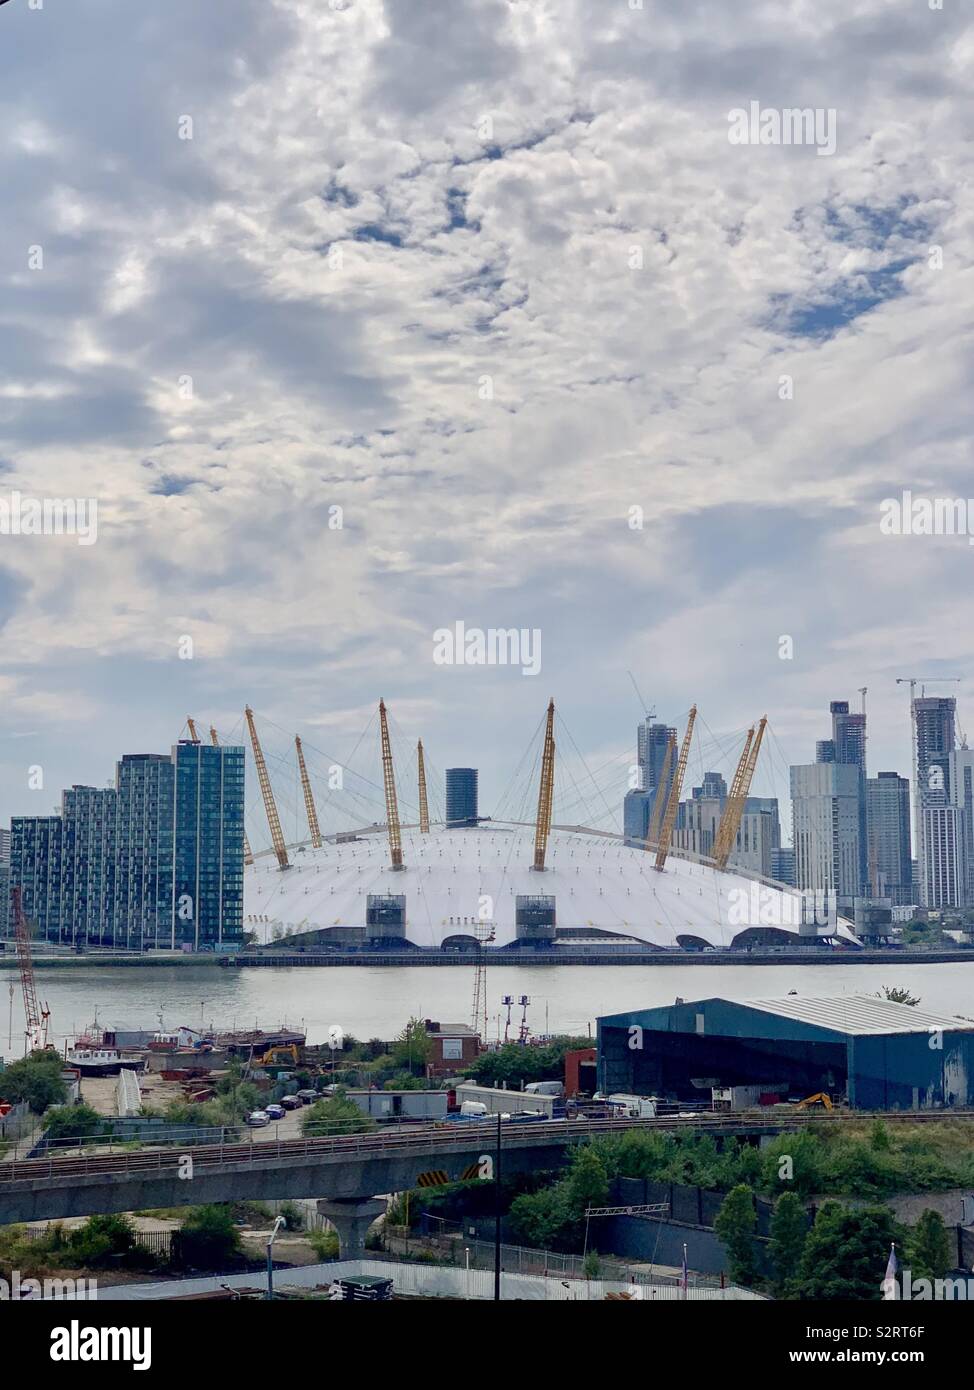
{"points": [[825, 802], [636, 812], [825, 750], [783, 866], [208, 845], [4, 846], [36, 868], [888, 837], [461, 796], [934, 738], [698, 820], [713, 785], [88, 817]]}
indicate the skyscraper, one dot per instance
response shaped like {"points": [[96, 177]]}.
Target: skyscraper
{"points": [[934, 738], [825, 801], [461, 796], [636, 812], [208, 844], [849, 744], [888, 837], [144, 845]]}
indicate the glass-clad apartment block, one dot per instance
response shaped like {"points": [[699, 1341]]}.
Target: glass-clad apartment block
{"points": [[36, 868], [208, 835], [144, 852], [89, 816], [155, 862]]}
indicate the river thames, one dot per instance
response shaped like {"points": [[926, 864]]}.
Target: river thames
{"points": [[376, 1001]]}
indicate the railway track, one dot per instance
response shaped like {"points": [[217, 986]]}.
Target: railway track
{"points": [[426, 1142]]}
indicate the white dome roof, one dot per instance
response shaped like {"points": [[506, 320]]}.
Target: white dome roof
{"points": [[456, 879]]}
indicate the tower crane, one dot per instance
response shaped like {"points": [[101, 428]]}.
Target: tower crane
{"points": [[267, 791], [309, 801], [545, 792], [673, 800], [37, 1016], [191, 723], [730, 821]]}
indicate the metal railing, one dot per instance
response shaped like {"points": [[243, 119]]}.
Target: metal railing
{"points": [[426, 1141]]}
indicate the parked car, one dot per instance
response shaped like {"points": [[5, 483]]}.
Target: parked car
{"points": [[308, 1096], [258, 1118], [276, 1112], [292, 1102]]}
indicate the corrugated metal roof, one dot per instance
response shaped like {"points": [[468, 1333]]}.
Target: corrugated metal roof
{"points": [[857, 1013]]}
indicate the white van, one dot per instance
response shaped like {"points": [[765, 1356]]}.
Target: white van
{"points": [[545, 1088]]}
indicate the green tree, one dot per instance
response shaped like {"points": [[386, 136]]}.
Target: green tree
{"points": [[588, 1183], [35, 1079], [846, 1253], [928, 1254], [545, 1219], [735, 1225], [337, 1115], [789, 1228], [413, 1049], [208, 1238], [73, 1122]]}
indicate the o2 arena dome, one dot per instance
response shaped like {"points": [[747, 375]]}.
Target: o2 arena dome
{"points": [[461, 887], [468, 882]]}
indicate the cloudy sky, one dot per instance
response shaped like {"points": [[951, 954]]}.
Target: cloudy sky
{"points": [[488, 276]]}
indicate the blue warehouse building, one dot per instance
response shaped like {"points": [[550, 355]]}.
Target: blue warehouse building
{"points": [[876, 1054]]}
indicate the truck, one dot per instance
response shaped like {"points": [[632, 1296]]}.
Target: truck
{"points": [[632, 1107]]}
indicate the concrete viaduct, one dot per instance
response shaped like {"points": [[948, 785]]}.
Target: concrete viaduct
{"points": [[345, 1172]]}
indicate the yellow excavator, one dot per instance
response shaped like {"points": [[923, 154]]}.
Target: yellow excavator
{"points": [[820, 1098], [281, 1055]]}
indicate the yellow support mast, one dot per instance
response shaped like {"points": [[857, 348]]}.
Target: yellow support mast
{"points": [[248, 853], [270, 805], [194, 736], [730, 821], [309, 801], [545, 791], [389, 782], [673, 800], [424, 810], [659, 800]]}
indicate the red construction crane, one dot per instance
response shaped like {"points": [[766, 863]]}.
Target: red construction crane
{"points": [[37, 1016]]}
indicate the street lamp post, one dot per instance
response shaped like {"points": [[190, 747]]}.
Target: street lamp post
{"points": [[270, 1256], [497, 1214]]}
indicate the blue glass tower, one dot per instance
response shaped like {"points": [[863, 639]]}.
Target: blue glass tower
{"points": [[461, 796]]}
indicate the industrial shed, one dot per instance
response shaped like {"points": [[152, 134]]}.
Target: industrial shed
{"points": [[880, 1055]]}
